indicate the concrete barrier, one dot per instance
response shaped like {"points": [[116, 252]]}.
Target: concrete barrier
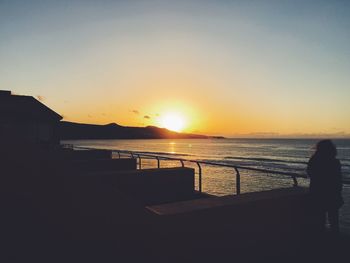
{"points": [[81, 155], [249, 222], [147, 186], [95, 165], [155, 186]]}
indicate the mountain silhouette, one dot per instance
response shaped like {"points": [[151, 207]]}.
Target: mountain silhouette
{"points": [[80, 131]]}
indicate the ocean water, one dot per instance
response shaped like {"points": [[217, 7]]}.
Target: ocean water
{"points": [[286, 155]]}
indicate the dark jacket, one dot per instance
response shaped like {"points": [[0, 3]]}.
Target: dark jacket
{"points": [[325, 181]]}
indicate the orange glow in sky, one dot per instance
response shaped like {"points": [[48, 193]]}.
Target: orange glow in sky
{"points": [[208, 67]]}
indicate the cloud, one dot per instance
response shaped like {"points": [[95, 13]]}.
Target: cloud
{"points": [[147, 117], [40, 98], [135, 112]]}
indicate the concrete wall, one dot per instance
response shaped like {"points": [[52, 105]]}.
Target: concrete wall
{"points": [[155, 186], [40, 134], [241, 226], [84, 155], [102, 165], [148, 186]]}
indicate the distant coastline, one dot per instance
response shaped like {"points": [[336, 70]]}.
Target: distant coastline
{"points": [[82, 131]]}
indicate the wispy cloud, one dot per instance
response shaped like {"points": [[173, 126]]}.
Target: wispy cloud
{"points": [[135, 112], [146, 117]]}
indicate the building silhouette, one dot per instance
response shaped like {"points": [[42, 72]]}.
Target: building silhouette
{"points": [[26, 119]]}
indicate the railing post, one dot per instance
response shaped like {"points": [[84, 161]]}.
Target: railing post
{"points": [[199, 178], [182, 163], [295, 181], [119, 154], [238, 182], [139, 161], [132, 155], [158, 162]]}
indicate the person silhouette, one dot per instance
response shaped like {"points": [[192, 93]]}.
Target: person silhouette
{"points": [[324, 170]]}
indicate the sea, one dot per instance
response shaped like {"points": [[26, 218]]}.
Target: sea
{"points": [[270, 155]]}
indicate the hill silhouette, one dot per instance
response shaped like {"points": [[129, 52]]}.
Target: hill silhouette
{"points": [[81, 131]]}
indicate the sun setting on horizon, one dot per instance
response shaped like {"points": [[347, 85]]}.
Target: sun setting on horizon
{"points": [[173, 121], [176, 114]]}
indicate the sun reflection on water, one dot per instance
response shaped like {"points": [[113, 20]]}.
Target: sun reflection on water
{"points": [[172, 147]]}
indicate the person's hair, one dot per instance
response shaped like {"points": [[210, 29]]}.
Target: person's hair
{"points": [[326, 148]]}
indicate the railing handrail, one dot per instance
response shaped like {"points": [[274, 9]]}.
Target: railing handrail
{"points": [[139, 155], [136, 153]]}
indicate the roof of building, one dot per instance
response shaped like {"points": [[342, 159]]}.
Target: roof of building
{"points": [[19, 108]]}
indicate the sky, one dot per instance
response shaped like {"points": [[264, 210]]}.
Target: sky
{"points": [[233, 68]]}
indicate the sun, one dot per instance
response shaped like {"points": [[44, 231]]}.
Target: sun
{"points": [[173, 121]]}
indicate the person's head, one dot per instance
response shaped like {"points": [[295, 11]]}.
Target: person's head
{"points": [[326, 148]]}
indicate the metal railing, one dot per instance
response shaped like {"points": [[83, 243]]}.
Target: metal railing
{"points": [[140, 156]]}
